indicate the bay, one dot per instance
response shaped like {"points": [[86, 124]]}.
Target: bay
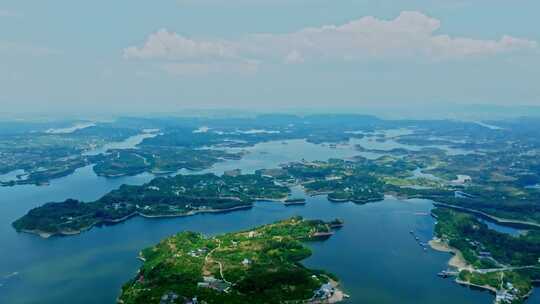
{"points": [[374, 254]]}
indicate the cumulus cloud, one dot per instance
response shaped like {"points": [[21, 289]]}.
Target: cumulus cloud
{"points": [[409, 34], [445, 46], [168, 45]]}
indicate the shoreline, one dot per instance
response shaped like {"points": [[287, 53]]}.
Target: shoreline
{"points": [[497, 220], [483, 287], [46, 235], [337, 297], [457, 260]]}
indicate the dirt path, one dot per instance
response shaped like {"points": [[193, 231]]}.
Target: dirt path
{"points": [[208, 259]]}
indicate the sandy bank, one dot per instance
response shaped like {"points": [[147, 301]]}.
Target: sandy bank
{"points": [[457, 260]]}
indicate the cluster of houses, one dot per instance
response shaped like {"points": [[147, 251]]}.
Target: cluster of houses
{"points": [[193, 207], [482, 252], [154, 188], [169, 298], [508, 295], [198, 253], [215, 284], [272, 173], [325, 292], [173, 298], [117, 206]]}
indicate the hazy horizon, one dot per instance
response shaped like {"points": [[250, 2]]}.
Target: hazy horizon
{"points": [[141, 57], [472, 112]]}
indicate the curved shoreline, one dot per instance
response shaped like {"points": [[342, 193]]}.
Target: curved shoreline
{"points": [[46, 235], [483, 287], [460, 264], [497, 220], [501, 221], [456, 261]]}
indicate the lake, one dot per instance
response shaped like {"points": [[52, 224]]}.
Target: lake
{"points": [[374, 254]]}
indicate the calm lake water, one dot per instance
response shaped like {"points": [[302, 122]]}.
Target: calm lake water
{"points": [[374, 254]]}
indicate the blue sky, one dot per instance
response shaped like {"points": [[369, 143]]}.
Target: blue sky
{"points": [[166, 55]]}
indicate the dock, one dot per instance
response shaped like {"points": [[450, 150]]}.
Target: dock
{"points": [[423, 245], [447, 273]]}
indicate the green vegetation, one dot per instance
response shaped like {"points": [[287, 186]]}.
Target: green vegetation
{"points": [[40, 156], [497, 177], [499, 261], [256, 266], [158, 160], [360, 180], [460, 165], [470, 236], [517, 282], [340, 180], [164, 196]]}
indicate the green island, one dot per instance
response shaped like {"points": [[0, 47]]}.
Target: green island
{"points": [[484, 258], [158, 160], [162, 197], [360, 181], [261, 265], [191, 194]]}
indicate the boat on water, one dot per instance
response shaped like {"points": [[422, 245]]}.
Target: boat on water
{"points": [[446, 273]]}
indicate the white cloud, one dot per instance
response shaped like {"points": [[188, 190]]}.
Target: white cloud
{"points": [[445, 46], [185, 56], [410, 34], [167, 45]]}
